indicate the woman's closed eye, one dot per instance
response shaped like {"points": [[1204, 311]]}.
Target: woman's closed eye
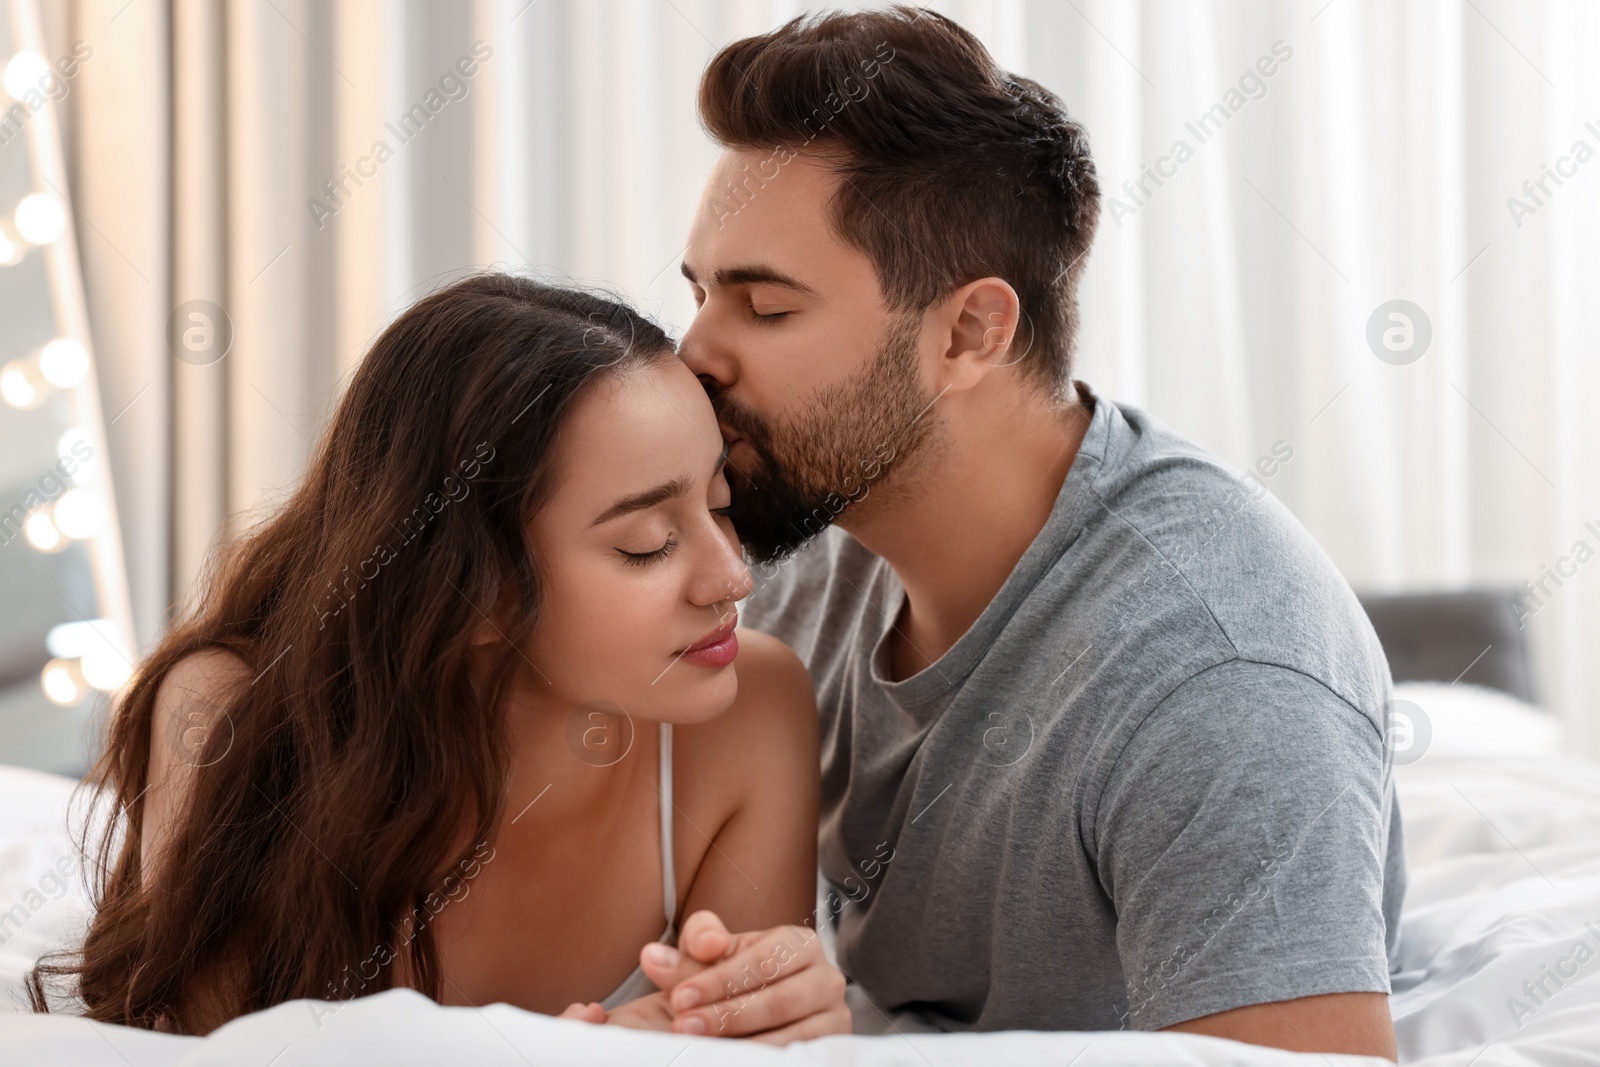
{"points": [[640, 559]]}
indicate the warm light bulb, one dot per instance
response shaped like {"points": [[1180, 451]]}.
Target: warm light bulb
{"points": [[18, 386], [77, 445], [11, 252], [105, 667], [78, 514], [42, 533], [63, 682], [25, 73], [64, 363], [39, 218], [69, 640]]}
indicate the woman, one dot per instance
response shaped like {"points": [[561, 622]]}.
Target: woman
{"points": [[469, 713]]}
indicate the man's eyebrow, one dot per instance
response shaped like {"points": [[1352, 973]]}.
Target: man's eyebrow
{"points": [[755, 274], [660, 494]]}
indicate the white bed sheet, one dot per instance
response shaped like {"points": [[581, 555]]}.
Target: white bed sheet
{"points": [[1504, 854]]}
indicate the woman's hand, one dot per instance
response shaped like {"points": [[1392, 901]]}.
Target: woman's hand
{"points": [[773, 985], [646, 1013], [584, 1013], [650, 1012]]}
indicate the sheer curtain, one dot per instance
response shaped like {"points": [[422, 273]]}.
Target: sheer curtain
{"points": [[1337, 156]]}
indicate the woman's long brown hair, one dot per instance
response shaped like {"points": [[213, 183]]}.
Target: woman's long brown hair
{"points": [[335, 796]]}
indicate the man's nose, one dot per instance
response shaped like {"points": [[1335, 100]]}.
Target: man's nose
{"points": [[704, 355]]}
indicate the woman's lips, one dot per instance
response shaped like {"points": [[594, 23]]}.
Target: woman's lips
{"points": [[717, 649]]}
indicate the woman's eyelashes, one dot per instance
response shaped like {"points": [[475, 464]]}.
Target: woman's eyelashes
{"points": [[640, 559]]}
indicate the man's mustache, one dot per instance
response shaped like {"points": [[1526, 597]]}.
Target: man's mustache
{"points": [[737, 418]]}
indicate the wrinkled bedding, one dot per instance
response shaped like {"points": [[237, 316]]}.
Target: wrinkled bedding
{"points": [[1500, 946]]}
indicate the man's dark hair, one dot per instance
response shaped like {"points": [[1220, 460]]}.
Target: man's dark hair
{"points": [[951, 168]]}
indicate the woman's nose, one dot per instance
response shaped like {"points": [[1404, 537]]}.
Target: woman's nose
{"points": [[741, 587], [736, 580], [725, 577]]}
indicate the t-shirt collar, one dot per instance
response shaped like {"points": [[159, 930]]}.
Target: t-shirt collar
{"points": [[930, 688]]}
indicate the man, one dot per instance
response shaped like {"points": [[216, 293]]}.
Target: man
{"points": [[1103, 730]]}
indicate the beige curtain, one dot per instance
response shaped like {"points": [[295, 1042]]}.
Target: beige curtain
{"points": [[1376, 162], [229, 153]]}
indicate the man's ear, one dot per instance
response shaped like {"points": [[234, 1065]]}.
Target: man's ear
{"points": [[983, 318]]}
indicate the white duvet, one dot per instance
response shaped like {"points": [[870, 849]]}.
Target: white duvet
{"points": [[1500, 944]]}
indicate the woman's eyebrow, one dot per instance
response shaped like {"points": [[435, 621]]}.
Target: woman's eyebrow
{"points": [[649, 498]]}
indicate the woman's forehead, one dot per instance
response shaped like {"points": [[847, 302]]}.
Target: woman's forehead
{"points": [[636, 430]]}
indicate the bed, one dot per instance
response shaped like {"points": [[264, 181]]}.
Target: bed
{"points": [[1500, 944]]}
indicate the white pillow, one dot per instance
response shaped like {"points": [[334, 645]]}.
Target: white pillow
{"points": [[1468, 720]]}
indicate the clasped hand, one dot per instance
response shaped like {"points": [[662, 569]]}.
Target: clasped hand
{"points": [[774, 986]]}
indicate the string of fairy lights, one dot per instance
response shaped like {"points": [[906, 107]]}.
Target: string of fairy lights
{"points": [[69, 503]]}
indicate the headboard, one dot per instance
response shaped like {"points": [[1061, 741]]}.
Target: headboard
{"points": [[1472, 636]]}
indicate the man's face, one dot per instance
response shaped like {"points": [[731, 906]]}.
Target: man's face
{"points": [[815, 381]]}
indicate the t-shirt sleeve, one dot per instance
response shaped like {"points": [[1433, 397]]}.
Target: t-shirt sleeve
{"points": [[1241, 836]]}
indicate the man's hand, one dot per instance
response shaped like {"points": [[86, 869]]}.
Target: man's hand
{"points": [[773, 986]]}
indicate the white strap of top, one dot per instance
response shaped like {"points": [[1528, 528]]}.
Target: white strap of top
{"points": [[669, 880]]}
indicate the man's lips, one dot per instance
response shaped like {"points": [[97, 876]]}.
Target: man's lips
{"points": [[732, 439]]}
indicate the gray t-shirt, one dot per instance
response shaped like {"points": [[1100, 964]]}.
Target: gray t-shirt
{"points": [[1150, 783]]}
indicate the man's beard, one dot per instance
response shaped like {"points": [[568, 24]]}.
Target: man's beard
{"points": [[809, 468]]}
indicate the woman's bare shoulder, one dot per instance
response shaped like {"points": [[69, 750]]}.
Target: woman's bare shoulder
{"points": [[773, 682], [207, 672], [195, 688], [189, 702], [775, 709]]}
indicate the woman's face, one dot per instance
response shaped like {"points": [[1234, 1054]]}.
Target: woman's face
{"points": [[638, 565]]}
